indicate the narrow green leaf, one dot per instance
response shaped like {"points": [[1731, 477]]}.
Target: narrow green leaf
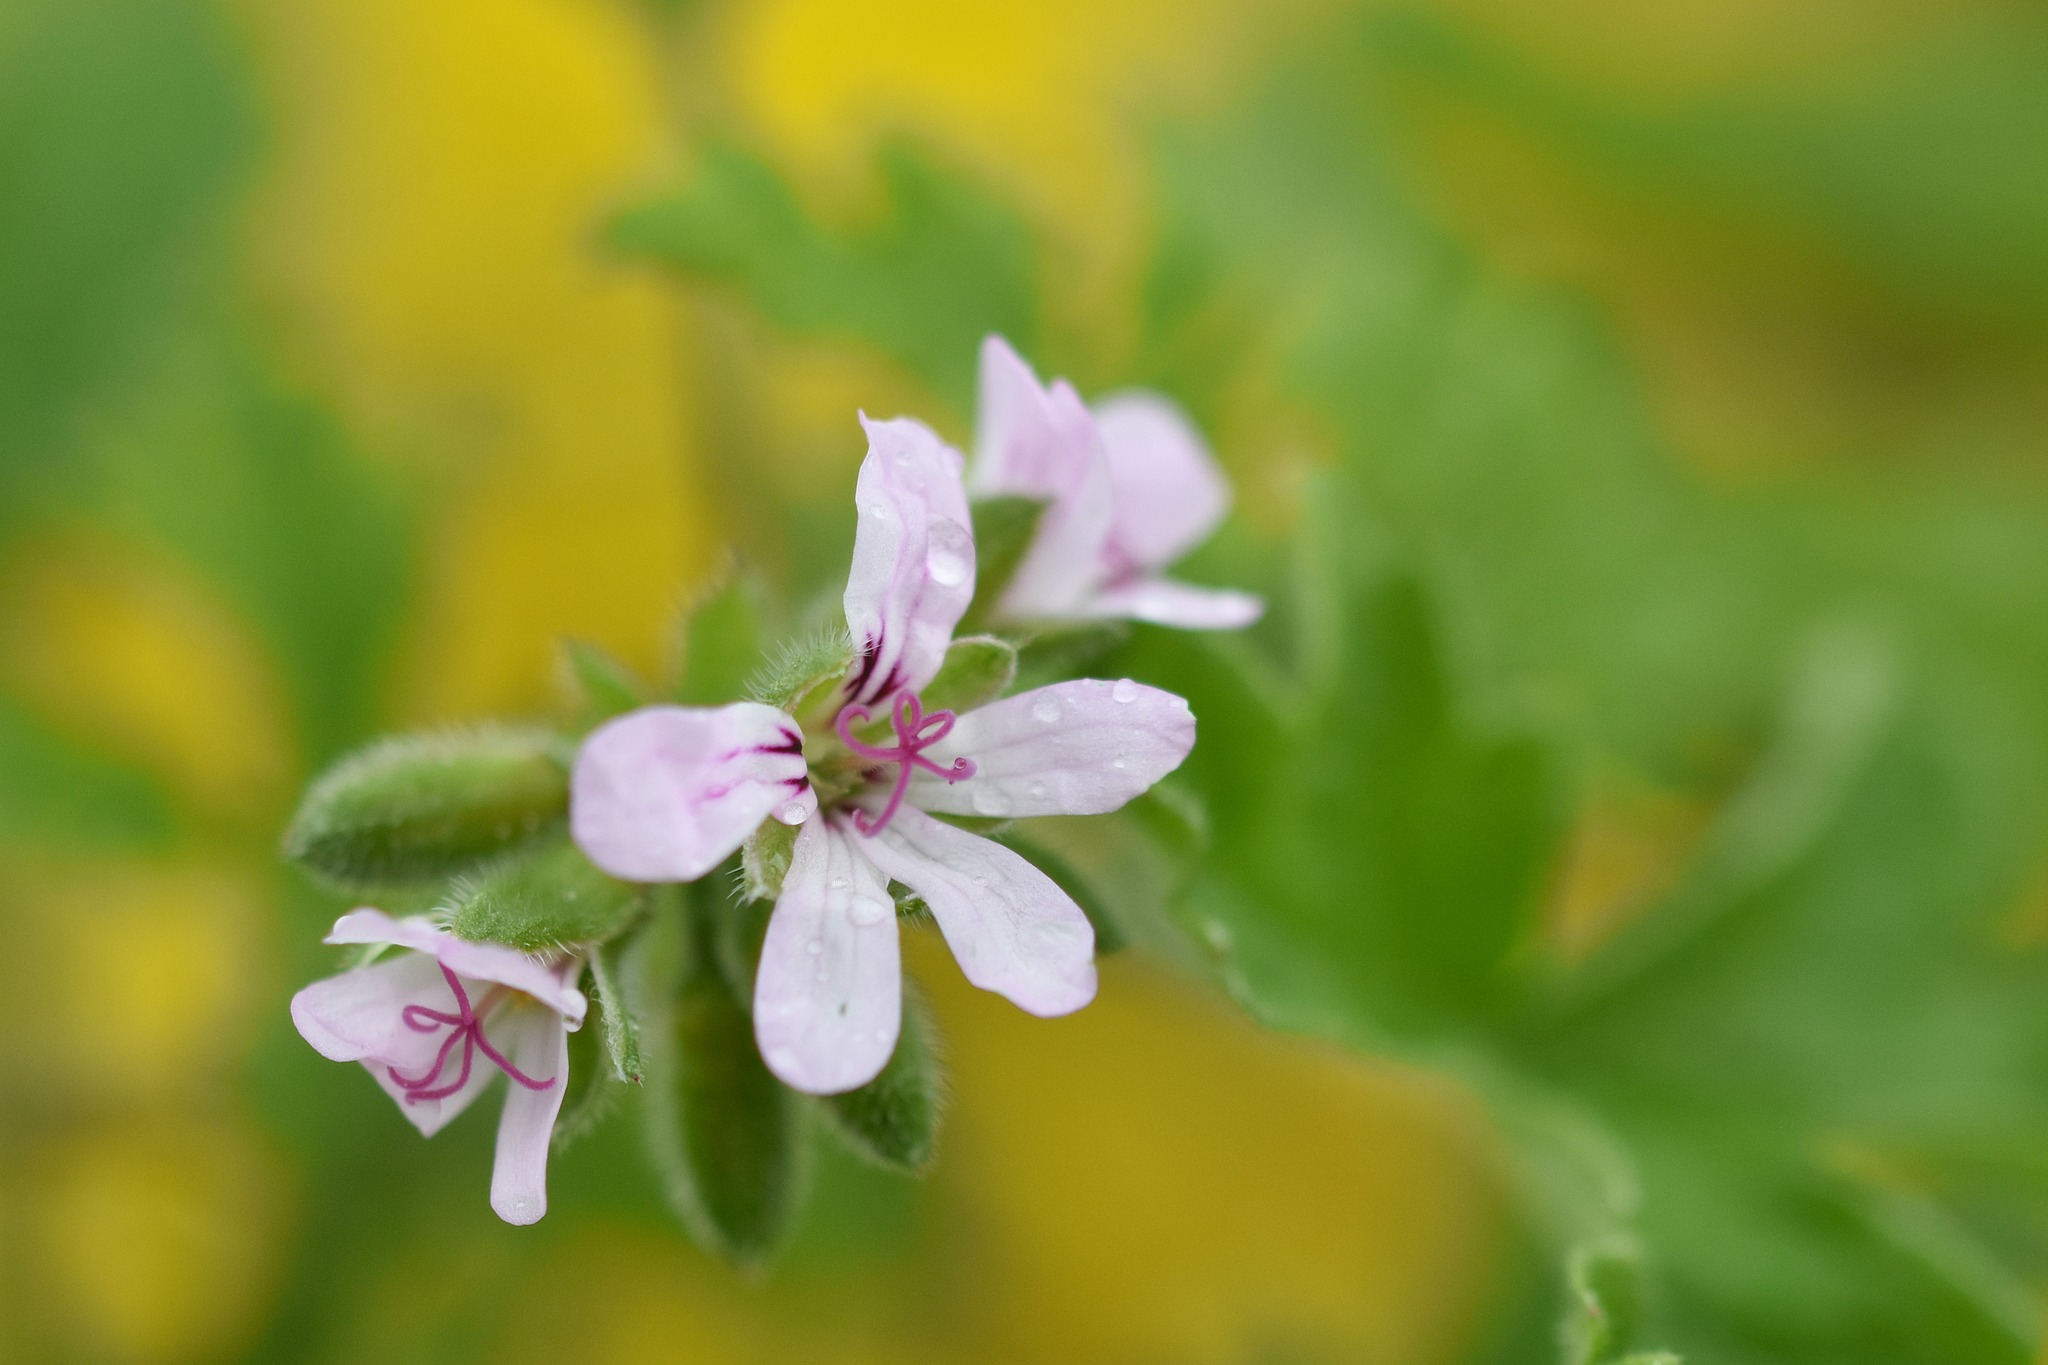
{"points": [[594, 1091], [1003, 528], [1603, 1284], [893, 1120], [604, 686], [725, 1135], [720, 643], [621, 1024], [976, 671], [417, 807], [541, 897]]}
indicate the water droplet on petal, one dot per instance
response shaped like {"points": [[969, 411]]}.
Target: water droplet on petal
{"points": [[1038, 790], [1117, 762], [989, 801], [840, 883], [815, 946], [980, 880], [1124, 691], [867, 911], [793, 813], [1046, 708], [949, 555]]}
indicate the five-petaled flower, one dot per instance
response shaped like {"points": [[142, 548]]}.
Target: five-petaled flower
{"points": [[1129, 488], [667, 793], [436, 1023]]}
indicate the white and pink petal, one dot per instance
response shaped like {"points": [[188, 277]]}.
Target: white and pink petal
{"points": [[828, 996], [1011, 928], [667, 793], [1165, 602], [1169, 493], [1038, 442], [1073, 748], [913, 559], [536, 1041]]}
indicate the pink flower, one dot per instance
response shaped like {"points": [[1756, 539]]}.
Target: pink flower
{"points": [[1129, 486], [667, 793], [437, 1023]]}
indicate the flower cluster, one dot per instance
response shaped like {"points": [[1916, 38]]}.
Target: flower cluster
{"points": [[889, 794]]}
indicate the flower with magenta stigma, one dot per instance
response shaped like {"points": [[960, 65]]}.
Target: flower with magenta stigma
{"points": [[874, 783], [439, 1021]]}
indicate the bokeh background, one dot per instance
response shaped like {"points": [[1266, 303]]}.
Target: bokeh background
{"points": [[1629, 820]]}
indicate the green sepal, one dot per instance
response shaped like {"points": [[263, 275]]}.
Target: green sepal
{"points": [[594, 1094], [621, 1024], [799, 669], [1003, 528], [604, 687], [416, 807], [724, 1135], [719, 642], [764, 859], [976, 671], [1604, 1301], [893, 1120], [543, 897], [1057, 653]]}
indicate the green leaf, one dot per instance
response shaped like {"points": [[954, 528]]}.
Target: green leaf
{"points": [[725, 1136], [976, 671], [416, 807], [621, 1025], [720, 643], [543, 896], [1603, 1311], [604, 686], [1003, 528], [942, 266], [893, 1120]]}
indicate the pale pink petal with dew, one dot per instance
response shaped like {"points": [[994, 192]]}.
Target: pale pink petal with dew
{"points": [[1038, 442], [828, 998], [666, 793], [360, 1013], [1165, 602], [1074, 748], [1010, 927], [913, 559], [491, 962], [1168, 490], [535, 1041]]}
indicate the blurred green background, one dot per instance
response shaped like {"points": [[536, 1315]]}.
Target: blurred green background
{"points": [[1627, 825]]}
